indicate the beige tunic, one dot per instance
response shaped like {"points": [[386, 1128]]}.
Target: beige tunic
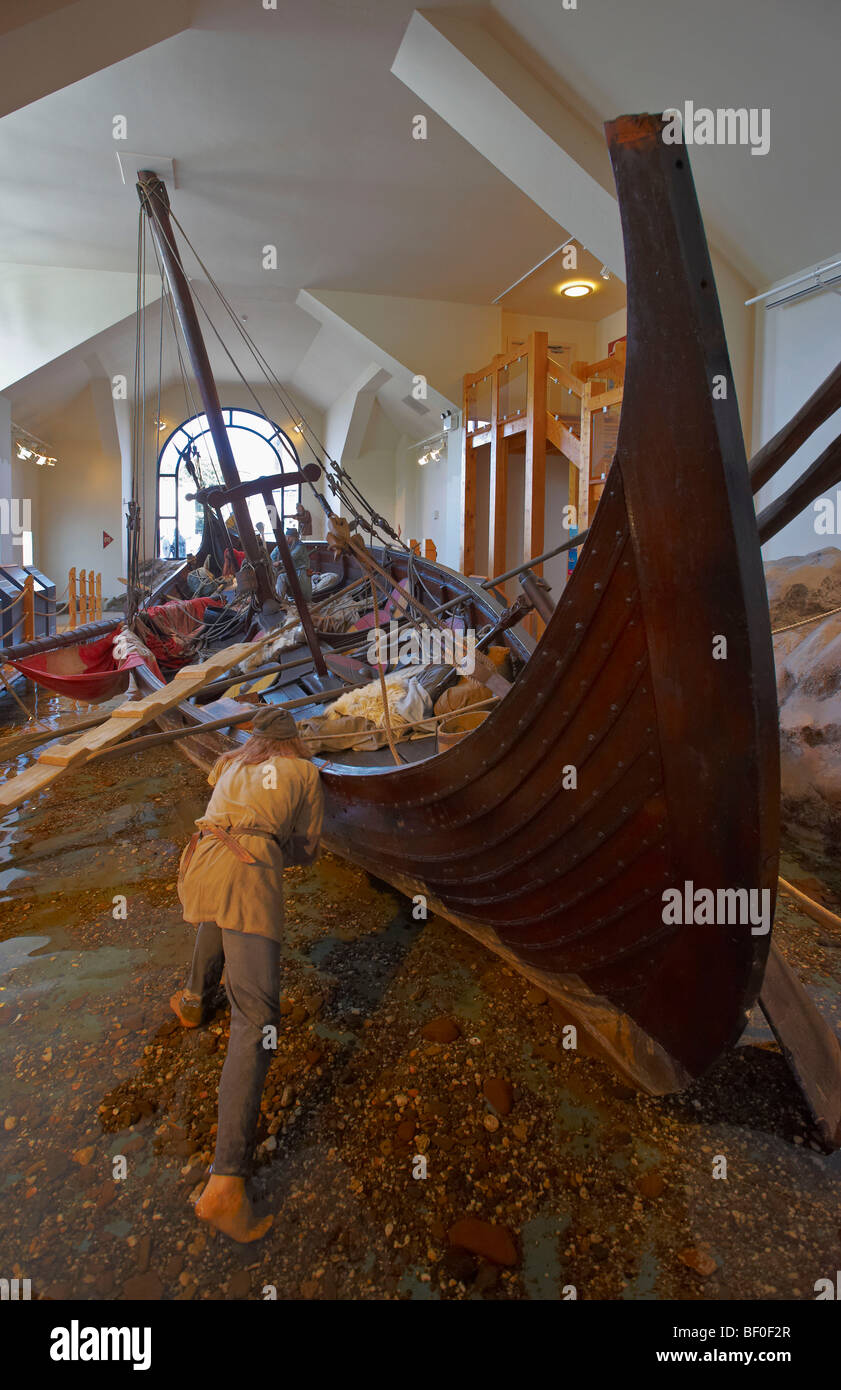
{"points": [[219, 887]]}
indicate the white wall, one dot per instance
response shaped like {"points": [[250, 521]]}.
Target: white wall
{"points": [[608, 330], [797, 346], [86, 492], [578, 333]]}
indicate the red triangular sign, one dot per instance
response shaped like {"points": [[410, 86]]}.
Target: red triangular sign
{"points": [[106, 540]]}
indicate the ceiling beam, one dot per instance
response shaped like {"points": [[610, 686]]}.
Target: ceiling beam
{"points": [[463, 74]]}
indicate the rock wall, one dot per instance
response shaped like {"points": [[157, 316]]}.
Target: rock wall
{"points": [[808, 661]]}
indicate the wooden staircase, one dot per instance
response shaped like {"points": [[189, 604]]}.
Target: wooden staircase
{"points": [[494, 415]]}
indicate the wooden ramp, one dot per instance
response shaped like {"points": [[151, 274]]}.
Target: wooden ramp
{"points": [[127, 718]]}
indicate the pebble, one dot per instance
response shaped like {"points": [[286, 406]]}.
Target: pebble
{"points": [[441, 1030], [144, 1250], [651, 1185], [239, 1284], [699, 1260], [494, 1243], [499, 1093], [144, 1286]]}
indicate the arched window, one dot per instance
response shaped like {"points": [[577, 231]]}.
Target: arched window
{"points": [[259, 446]]}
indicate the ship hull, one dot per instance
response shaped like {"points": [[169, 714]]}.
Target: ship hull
{"points": [[636, 755]]}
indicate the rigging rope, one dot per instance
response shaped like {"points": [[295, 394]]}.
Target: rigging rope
{"points": [[330, 466]]}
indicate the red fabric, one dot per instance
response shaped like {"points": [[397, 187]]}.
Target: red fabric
{"points": [[84, 672], [180, 620], [182, 615], [89, 672]]}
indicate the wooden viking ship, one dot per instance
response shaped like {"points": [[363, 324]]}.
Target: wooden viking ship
{"points": [[676, 753], [652, 684]]}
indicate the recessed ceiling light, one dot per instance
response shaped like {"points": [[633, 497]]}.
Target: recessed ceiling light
{"points": [[575, 291]]}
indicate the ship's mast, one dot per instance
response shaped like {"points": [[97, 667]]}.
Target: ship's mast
{"points": [[154, 197]]}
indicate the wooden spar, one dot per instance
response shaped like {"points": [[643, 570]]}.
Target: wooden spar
{"points": [[824, 473], [295, 585], [122, 722], [209, 726], [809, 1044], [155, 199], [217, 496], [821, 404], [71, 638]]}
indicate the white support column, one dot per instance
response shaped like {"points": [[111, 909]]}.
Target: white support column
{"points": [[7, 555], [348, 416]]}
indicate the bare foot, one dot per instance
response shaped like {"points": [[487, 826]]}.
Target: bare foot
{"points": [[175, 1005], [224, 1204]]}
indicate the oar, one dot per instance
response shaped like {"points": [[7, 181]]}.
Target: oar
{"points": [[770, 458], [227, 721], [13, 747]]}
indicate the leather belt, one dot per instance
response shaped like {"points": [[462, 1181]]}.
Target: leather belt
{"points": [[226, 838]]}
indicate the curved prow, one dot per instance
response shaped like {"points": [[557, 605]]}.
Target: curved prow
{"points": [[681, 459]]}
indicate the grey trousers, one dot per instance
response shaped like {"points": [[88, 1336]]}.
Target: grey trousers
{"points": [[252, 983]]}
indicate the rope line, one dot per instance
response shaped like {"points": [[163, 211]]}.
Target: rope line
{"points": [[814, 618]]}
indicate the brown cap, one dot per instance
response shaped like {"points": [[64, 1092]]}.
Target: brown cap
{"points": [[271, 722]]}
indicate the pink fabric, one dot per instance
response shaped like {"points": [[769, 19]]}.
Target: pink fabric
{"points": [[384, 614]]}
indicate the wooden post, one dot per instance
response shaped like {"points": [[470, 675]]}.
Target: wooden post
{"points": [[98, 610], [294, 583], [71, 598], [586, 451], [497, 486], [468, 497], [596, 389], [29, 609], [534, 501], [83, 596], [430, 550], [414, 546]]}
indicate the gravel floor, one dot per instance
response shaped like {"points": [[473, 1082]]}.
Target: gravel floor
{"points": [[425, 1134]]}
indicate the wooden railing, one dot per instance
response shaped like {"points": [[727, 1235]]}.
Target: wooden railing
{"points": [[84, 600], [497, 417]]}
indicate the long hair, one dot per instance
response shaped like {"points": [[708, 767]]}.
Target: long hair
{"points": [[259, 749]]}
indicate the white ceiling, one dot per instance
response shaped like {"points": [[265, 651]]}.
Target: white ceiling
{"points": [[287, 127], [771, 214]]}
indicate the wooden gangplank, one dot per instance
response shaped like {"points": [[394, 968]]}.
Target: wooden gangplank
{"points": [[123, 721]]}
